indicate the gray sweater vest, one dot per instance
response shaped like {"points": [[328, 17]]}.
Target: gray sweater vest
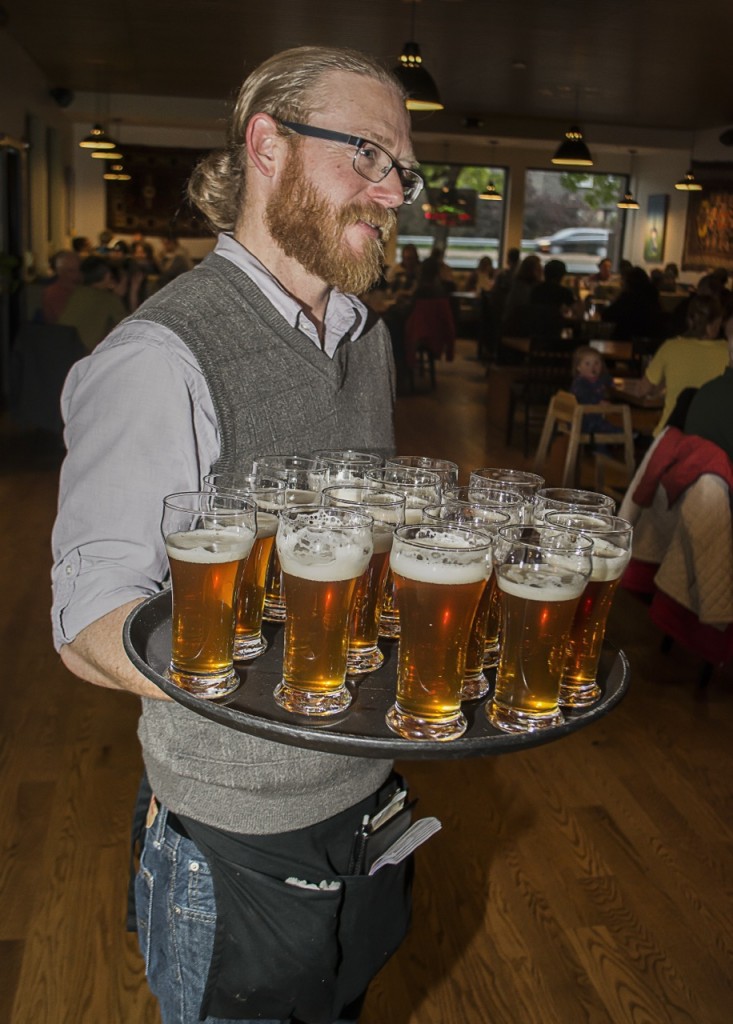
{"points": [[273, 391]]}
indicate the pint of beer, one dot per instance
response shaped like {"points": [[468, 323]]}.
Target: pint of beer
{"points": [[303, 476], [323, 552], [420, 487], [541, 573], [480, 517], [268, 495], [440, 572], [208, 538], [612, 539], [387, 510], [570, 499]]}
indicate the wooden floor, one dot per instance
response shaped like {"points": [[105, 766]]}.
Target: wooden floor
{"points": [[588, 880]]}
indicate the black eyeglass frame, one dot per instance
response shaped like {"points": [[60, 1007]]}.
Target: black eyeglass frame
{"points": [[358, 142]]}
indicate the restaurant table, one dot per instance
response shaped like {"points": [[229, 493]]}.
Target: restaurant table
{"points": [[621, 350], [645, 410], [361, 729]]}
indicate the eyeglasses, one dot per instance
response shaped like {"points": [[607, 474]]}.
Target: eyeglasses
{"points": [[370, 160]]}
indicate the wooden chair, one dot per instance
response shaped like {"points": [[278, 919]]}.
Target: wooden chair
{"points": [[565, 416], [544, 372]]}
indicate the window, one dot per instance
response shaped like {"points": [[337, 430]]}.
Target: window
{"points": [[573, 217], [450, 214]]}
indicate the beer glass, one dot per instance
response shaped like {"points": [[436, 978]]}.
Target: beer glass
{"points": [[612, 539], [570, 499], [515, 481], [440, 572], [346, 464], [541, 573], [323, 552], [269, 498], [511, 502], [208, 538], [420, 487], [446, 470], [485, 628], [304, 478], [387, 509]]}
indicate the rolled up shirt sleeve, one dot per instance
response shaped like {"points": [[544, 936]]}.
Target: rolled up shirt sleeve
{"points": [[139, 425]]}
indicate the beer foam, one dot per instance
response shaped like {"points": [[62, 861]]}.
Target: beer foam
{"points": [[383, 538], [540, 582], [438, 566], [207, 547], [266, 523], [609, 560], [322, 554]]}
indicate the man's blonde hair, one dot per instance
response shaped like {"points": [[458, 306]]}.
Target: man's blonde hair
{"points": [[288, 87]]}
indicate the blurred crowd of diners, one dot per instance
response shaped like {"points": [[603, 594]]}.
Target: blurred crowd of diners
{"points": [[93, 287], [529, 299]]}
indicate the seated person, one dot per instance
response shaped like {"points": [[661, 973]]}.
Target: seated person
{"points": [[173, 260], [516, 308], [591, 385], [636, 313], [94, 309], [55, 296], [689, 361], [403, 276], [550, 303], [482, 278], [709, 414]]}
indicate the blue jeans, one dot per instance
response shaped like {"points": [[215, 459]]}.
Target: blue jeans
{"points": [[176, 918]]}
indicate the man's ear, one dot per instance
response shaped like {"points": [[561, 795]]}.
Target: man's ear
{"points": [[265, 145]]}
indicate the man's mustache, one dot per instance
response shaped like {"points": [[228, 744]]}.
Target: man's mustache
{"points": [[381, 217]]}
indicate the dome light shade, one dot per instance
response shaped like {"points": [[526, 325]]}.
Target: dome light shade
{"points": [[628, 202], [107, 154], [422, 92], [689, 183], [116, 173], [572, 151], [490, 193], [97, 139]]}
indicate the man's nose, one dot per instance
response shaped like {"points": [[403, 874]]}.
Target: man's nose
{"points": [[389, 190]]}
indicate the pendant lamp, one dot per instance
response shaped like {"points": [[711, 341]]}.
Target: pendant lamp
{"points": [[107, 154], [572, 151], [688, 183], [97, 139], [117, 172], [422, 92], [490, 192], [628, 202]]}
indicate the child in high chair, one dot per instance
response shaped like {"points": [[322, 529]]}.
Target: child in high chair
{"points": [[591, 385]]}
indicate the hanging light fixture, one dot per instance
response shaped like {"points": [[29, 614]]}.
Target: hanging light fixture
{"points": [[97, 139], [117, 172], [572, 151], [688, 183], [628, 202], [422, 92], [107, 154], [490, 192]]}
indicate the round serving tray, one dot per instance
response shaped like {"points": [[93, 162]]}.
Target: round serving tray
{"points": [[361, 729]]}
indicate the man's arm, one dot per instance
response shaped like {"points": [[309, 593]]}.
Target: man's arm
{"points": [[97, 655]]}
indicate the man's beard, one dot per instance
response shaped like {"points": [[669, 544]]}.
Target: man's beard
{"points": [[310, 229]]}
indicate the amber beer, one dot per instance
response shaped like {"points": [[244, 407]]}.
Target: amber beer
{"points": [[323, 552], [387, 510], [206, 568], [274, 610], [248, 639], [440, 573], [611, 553], [540, 590]]}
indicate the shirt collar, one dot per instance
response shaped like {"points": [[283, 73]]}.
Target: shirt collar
{"points": [[345, 314]]}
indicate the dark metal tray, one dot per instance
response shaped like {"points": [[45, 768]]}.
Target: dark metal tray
{"points": [[361, 729]]}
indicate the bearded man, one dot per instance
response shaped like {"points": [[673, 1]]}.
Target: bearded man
{"points": [[262, 348]]}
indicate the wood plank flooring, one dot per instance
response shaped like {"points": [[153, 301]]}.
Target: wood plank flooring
{"points": [[587, 880]]}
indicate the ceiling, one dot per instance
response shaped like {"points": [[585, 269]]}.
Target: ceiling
{"points": [[661, 64]]}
